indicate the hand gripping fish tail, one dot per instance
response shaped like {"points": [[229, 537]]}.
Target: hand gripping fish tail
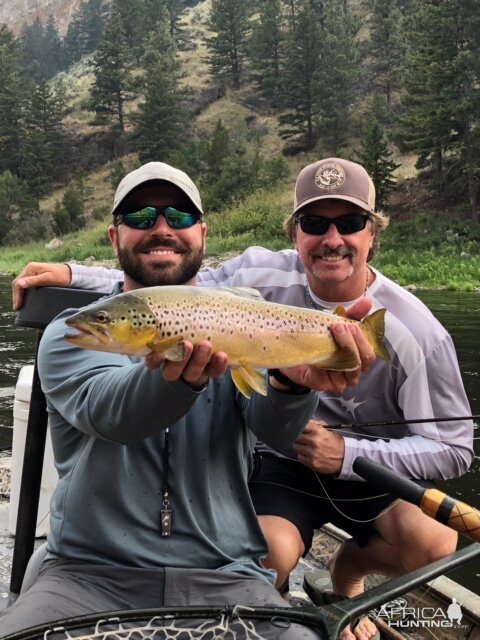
{"points": [[374, 328]]}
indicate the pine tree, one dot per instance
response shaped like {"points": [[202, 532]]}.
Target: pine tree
{"points": [[15, 201], [218, 150], [172, 11], [229, 21], [75, 43], [53, 55], [464, 166], [95, 19], [337, 75], [442, 104], [15, 90], [68, 215], [161, 121], [43, 151], [85, 31], [300, 81], [111, 66], [32, 43], [291, 6], [132, 17], [375, 156], [42, 50], [386, 46], [266, 46]]}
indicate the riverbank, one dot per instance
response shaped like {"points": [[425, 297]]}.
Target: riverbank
{"points": [[426, 250], [417, 280]]}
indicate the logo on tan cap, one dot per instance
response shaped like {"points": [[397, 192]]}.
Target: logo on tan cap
{"points": [[334, 178], [329, 175]]}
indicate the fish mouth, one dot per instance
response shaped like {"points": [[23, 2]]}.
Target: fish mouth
{"points": [[87, 335]]}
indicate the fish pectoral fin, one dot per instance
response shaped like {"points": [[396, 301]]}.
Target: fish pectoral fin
{"points": [[247, 380], [172, 349], [340, 311], [342, 360]]}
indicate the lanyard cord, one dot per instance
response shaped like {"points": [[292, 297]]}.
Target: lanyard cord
{"points": [[166, 512]]}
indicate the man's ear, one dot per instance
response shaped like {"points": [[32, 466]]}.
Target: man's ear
{"points": [[204, 230], [113, 236]]}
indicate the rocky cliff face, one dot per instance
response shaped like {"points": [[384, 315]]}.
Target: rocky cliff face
{"points": [[16, 13]]}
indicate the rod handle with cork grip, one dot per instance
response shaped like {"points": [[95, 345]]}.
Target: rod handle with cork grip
{"points": [[435, 503]]}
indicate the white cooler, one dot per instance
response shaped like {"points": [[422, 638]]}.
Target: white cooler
{"points": [[21, 408]]}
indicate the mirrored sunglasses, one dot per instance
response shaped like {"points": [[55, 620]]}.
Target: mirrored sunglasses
{"points": [[147, 217], [318, 225]]}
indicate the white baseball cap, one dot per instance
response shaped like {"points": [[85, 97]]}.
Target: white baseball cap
{"points": [[157, 171]]}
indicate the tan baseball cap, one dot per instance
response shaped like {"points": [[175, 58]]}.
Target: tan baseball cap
{"points": [[335, 178], [157, 171]]}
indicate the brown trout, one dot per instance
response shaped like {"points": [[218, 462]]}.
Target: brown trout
{"points": [[255, 334]]}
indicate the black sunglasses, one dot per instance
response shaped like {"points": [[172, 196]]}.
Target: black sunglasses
{"points": [[318, 225], [147, 217]]}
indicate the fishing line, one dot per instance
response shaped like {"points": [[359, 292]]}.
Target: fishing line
{"points": [[385, 423], [362, 425], [315, 495], [347, 517], [379, 423]]}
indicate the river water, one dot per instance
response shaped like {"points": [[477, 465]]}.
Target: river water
{"points": [[459, 312]]}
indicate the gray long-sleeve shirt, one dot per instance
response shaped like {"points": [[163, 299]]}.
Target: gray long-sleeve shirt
{"points": [[108, 415]]}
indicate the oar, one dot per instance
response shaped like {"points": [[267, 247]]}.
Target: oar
{"points": [[438, 505], [385, 423]]}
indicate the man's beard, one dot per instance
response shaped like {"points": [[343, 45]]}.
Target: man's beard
{"points": [[161, 274]]}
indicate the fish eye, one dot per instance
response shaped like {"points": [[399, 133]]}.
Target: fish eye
{"points": [[102, 316]]}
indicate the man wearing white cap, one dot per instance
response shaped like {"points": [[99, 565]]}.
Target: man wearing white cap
{"points": [[152, 506], [336, 232]]}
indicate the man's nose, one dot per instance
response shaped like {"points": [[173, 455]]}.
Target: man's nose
{"points": [[332, 237], [161, 226]]}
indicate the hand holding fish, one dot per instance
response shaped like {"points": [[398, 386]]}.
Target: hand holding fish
{"points": [[320, 449], [198, 365], [348, 337]]}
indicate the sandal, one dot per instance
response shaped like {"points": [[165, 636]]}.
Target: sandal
{"points": [[315, 585]]}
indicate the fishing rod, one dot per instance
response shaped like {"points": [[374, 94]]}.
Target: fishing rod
{"points": [[386, 423], [438, 505]]}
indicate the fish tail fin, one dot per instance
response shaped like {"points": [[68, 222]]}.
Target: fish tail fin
{"points": [[374, 327], [247, 380]]}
